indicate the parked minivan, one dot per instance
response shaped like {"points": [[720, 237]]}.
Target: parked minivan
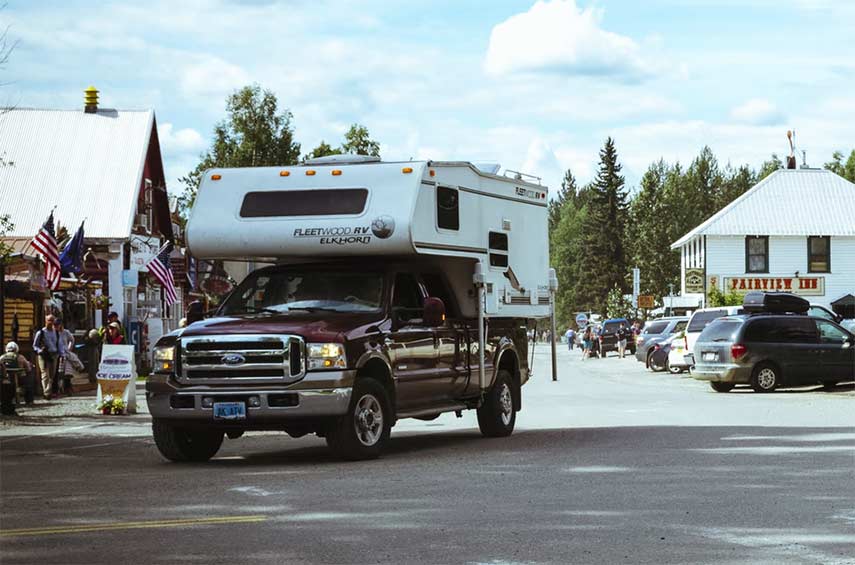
{"points": [[771, 350], [655, 332], [680, 357]]}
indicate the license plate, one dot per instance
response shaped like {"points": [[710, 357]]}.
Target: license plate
{"points": [[229, 410], [689, 359], [709, 356]]}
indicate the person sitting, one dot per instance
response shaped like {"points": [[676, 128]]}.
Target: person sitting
{"points": [[114, 335], [14, 368], [112, 318]]}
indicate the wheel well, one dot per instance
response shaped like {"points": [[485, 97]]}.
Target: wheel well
{"points": [[378, 370], [510, 363]]}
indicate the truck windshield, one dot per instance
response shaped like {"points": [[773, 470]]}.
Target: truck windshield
{"points": [[302, 290]]}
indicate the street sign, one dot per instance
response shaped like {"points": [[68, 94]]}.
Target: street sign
{"points": [[636, 286], [646, 301], [581, 320]]}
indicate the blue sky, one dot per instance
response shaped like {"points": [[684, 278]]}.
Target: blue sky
{"points": [[535, 86]]}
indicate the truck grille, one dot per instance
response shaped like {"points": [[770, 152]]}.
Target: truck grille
{"points": [[246, 359]]}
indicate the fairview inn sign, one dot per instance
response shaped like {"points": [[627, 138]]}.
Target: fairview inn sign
{"points": [[806, 286]]}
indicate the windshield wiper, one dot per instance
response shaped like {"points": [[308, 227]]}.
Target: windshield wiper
{"points": [[253, 310], [314, 308]]}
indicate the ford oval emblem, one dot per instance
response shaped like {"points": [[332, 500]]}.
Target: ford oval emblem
{"points": [[233, 359]]}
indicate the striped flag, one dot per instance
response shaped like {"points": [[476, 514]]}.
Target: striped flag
{"points": [[160, 269], [45, 244]]}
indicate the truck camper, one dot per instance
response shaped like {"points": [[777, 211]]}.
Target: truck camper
{"points": [[394, 290]]}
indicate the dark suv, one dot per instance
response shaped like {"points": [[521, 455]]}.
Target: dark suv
{"points": [[772, 350], [609, 336]]}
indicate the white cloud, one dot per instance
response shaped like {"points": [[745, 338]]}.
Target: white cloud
{"points": [[541, 161], [758, 112], [180, 141], [210, 76], [558, 36]]}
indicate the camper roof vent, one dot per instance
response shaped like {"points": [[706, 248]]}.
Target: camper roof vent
{"points": [[347, 159], [489, 168]]}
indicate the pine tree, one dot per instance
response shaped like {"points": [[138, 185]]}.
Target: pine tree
{"points": [[603, 262], [568, 192], [648, 237]]}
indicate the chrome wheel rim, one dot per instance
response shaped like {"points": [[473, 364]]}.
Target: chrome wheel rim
{"points": [[766, 378], [506, 404], [368, 420]]}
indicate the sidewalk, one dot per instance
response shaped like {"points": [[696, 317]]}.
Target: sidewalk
{"points": [[77, 413]]}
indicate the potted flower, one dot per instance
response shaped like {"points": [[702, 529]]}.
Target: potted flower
{"points": [[111, 405]]}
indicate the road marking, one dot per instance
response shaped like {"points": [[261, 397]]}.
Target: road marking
{"points": [[50, 530]]}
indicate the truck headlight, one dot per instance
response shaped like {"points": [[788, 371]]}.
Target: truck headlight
{"points": [[164, 359], [325, 356]]}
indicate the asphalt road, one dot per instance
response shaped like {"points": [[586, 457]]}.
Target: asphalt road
{"points": [[609, 465]]}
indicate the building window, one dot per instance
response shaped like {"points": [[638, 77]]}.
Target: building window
{"points": [[819, 254], [757, 254]]}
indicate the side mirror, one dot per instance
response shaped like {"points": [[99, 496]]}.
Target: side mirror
{"points": [[434, 315]]}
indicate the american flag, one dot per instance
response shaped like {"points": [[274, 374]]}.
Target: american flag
{"points": [[45, 243], [159, 268]]}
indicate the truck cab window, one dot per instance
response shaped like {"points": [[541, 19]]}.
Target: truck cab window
{"points": [[447, 208], [407, 298]]}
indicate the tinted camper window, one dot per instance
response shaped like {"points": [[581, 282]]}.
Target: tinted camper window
{"points": [[327, 202], [447, 208]]}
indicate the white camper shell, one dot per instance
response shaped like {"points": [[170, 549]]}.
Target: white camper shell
{"points": [[345, 206]]}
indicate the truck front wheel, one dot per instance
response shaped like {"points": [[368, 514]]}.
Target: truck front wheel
{"points": [[365, 429], [496, 416], [180, 445]]}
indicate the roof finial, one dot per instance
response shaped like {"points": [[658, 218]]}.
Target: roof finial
{"points": [[90, 100]]}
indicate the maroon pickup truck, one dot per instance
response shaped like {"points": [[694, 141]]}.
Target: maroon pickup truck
{"points": [[341, 349]]}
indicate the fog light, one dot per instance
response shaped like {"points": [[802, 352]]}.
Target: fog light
{"points": [[254, 401], [207, 402]]}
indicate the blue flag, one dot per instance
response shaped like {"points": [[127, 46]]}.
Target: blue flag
{"points": [[71, 257]]}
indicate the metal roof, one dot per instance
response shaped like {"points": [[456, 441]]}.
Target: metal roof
{"points": [[787, 202], [87, 165]]}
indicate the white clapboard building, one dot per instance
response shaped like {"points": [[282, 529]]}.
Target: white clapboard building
{"points": [[793, 231]]}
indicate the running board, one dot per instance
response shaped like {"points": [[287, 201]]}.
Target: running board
{"points": [[434, 411]]}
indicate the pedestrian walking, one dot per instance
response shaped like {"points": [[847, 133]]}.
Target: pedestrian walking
{"points": [[46, 345], [586, 343], [63, 366], [571, 337], [622, 335]]}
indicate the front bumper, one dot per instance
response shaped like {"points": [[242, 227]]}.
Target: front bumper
{"points": [[317, 395], [722, 373]]}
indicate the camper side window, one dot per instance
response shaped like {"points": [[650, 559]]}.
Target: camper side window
{"points": [[498, 249], [447, 208]]}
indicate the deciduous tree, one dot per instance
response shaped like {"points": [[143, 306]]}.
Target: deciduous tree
{"points": [[255, 133]]}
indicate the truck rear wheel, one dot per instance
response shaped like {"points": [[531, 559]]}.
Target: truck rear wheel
{"points": [[496, 416], [364, 430], [180, 445]]}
